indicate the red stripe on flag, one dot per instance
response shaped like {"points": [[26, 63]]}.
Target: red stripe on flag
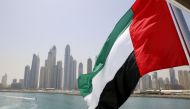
{"points": [[154, 36]]}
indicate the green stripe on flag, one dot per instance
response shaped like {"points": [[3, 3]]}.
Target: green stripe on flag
{"points": [[85, 80]]}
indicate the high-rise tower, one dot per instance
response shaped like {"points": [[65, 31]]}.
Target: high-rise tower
{"points": [[42, 78], [58, 82], [4, 80], [89, 65], [50, 70], [34, 73], [26, 76], [80, 69], [66, 68]]}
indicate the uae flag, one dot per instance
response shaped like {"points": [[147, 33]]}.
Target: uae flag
{"points": [[144, 40]]}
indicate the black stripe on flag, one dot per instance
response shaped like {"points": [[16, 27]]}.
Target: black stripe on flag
{"points": [[117, 91]]}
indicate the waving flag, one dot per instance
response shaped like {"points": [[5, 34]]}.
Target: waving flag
{"points": [[144, 40]]}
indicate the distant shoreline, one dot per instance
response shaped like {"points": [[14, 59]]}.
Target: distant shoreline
{"points": [[76, 93], [179, 96]]}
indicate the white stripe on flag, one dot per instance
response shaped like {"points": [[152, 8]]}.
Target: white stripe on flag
{"points": [[119, 53]]}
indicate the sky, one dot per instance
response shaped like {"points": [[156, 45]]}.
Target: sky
{"points": [[34, 26]]}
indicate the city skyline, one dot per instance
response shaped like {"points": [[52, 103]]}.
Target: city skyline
{"points": [[56, 74], [45, 62], [84, 65], [149, 82], [153, 82], [53, 74], [28, 27]]}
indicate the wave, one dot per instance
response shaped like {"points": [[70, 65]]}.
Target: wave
{"points": [[19, 106], [20, 97]]}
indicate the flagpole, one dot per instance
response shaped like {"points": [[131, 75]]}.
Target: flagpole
{"points": [[181, 27], [180, 5]]}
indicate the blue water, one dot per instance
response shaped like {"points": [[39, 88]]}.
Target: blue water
{"points": [[61, 101]]}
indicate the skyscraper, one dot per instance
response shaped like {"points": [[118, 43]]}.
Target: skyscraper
{"points": [[59, 76], [184, 79], [46, 76], [42, 78], [66, 68], [54, 77], [4, 80], [21, 83], [80, 69], [70, 79], [74, 74], [166, 83], [155, 81], [50, 70], [34, 73], [145, 82], [161, 83], [26, 76], [89, 65], [173, 79]]}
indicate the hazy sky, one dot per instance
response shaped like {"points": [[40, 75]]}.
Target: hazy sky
{"points": [[34, 26]]}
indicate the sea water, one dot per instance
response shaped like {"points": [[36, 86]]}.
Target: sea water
{"points": [[61, 101]]}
